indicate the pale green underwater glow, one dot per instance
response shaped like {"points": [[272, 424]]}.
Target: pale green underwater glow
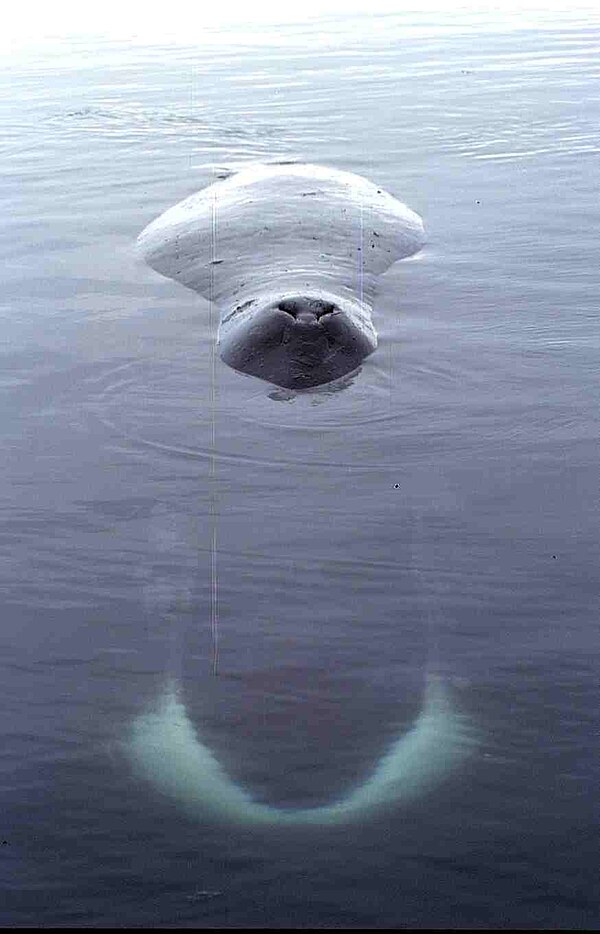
{"points": [[165, 749]]}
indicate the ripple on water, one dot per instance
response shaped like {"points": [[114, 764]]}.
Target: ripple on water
{"points": [[164, 408], [356, 399]]}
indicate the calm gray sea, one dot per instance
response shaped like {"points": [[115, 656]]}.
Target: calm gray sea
{"points": [[297, 563]]}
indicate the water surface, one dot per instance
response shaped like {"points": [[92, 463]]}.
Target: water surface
{"points": [[166, 518]]}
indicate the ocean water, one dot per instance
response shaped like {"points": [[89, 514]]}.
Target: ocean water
{"points": [[217, 591]]}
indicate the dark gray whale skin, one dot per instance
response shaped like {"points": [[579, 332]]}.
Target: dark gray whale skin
{"points": [[296, 342], [290, 254]]}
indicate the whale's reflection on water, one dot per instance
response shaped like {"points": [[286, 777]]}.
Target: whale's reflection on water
{"points": [[165, 748]]}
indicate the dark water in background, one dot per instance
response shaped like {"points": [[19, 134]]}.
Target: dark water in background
{"points": [[443, 506]]}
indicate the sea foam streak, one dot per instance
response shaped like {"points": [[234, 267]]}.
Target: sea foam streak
{"points": [[165, 748]]}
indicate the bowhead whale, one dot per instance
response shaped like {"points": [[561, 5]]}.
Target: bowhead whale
{"points": [[290, 254]]}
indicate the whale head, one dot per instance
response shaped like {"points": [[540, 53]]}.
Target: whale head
{"points": [[297, 339], [291, 255]]}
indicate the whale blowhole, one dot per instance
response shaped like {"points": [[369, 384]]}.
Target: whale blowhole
{"points": [[306, 306], [294, 277]]}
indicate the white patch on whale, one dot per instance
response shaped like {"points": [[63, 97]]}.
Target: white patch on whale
{"points": [[291, 255], [166, 750]]}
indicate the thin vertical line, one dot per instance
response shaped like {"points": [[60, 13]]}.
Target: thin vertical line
{"points": [[391, 363], [214, 615], [214, 583], [361, 258]]}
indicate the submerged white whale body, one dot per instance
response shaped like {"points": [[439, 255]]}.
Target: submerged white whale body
{"points": [[165, 749], [290, 254]]}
